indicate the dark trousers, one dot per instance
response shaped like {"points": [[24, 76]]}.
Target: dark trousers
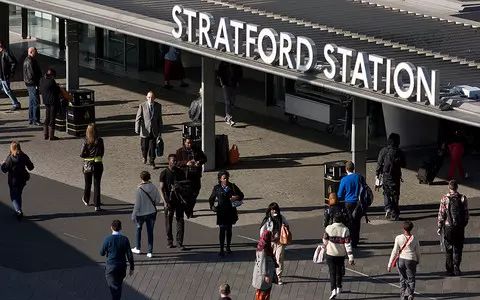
{"points": [[391, 199], [16, 196], [229, 94], [148, 145], [149, 221], [177, 210], [96, 175], [225, 231], [454, 239], [50, 114], [115, 275], [33, 104], [196, 181], [336, 267], [355, 223], [407, 269]]}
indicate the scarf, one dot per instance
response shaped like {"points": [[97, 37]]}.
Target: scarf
{"points": [[265, 243]]}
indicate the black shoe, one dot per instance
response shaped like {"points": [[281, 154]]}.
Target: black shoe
{"points": [[37, 123], [457, 272], [229, 251], [30, 122], [221, 253], [14, 108], [19, 215], [449, 273], [98, 208]]}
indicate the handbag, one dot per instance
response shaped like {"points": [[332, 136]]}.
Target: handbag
{"points": [[234, 154], [88, 164], [285, 235], [319, 255], [395, 260], [236, 203], [149, 197]]}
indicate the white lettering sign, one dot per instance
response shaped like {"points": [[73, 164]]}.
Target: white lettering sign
{"points": [[300, 53]]}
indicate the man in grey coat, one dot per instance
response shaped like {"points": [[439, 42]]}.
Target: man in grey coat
{"points": [[148, 124]]}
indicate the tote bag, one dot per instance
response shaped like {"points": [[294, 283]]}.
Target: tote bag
{"points": [[319, 255]]}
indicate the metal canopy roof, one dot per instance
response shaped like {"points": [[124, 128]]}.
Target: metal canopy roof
{"points": [[144, 20]]}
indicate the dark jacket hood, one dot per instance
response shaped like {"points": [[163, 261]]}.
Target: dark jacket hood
{"points": [[394, 140]]}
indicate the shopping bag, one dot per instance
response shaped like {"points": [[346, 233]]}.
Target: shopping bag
{"points": [[319, 255], [285, 235], [234, 155]]}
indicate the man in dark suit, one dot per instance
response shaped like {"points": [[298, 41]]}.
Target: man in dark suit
{"points": [[190, 159], [148, 124], [116, 248]]}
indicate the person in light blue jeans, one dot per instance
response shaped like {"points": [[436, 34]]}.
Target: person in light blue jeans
{"points": [[8, 64], [145, 211]]}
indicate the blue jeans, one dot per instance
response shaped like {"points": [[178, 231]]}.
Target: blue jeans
{"points": [[150, 222], [6, 88], [33, 104], [16, 196]]}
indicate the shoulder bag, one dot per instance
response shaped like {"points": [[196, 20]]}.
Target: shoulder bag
{"points": [[285, 235], [88, 164], [395, 260], [149, 197], [319, 255], [236, 203]]}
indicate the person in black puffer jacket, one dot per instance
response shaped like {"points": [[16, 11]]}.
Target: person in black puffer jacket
{"points": [[92, 153], [16, 166], [224, 193], [335, 208]]}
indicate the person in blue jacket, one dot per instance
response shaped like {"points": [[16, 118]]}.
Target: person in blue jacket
{"points": [[349, 192]]}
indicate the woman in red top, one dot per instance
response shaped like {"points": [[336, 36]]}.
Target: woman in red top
{"points": [[456, 152]]}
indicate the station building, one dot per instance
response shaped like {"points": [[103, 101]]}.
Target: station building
{"points": [[368, 69]]}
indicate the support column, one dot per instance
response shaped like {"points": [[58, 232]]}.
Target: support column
{"points": [[25, 24], [208, 112], [359, 135], [61, 34], [72, 55], [4, 23], [269, 89], [99, 42]]}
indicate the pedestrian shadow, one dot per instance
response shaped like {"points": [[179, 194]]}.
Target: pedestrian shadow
{"points": [[13, 129]]}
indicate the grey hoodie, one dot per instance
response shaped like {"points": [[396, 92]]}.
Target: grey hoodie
{"points": [[143, 204]]}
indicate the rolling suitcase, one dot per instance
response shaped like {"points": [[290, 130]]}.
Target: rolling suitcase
{"points": [[429, 169]]}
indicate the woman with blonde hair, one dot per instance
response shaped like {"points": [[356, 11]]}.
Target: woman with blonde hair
{"points": [[16, 166], [92, 153]]}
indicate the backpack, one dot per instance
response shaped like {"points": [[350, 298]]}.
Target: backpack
{"points": [[195, 110], [183, 191], [366, 194], [456, 211], [391, 162]]}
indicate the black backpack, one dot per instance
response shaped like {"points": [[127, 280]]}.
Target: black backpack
{"points": [[456, 211], [391, 161], [183, 191]]}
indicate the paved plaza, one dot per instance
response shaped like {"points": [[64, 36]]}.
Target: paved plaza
{"points": [[53, 252]]}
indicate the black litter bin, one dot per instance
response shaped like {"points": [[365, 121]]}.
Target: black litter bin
{"points": [[334, 172], [193, 130], [80, 111], [61, 120]]}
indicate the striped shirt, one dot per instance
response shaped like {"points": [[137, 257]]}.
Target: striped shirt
{"points": [[337, 241]]}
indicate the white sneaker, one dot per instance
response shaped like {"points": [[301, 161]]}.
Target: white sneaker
{"points": [[135, 250], [339, 291], [149, 255], [232, 123], [333, 295]]}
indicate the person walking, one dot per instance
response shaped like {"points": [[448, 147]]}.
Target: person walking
{"points": [[407, 248], [391, 160], [191, 159], [349, 191], [335, 207], [453, 216], [457, 149], [50, 91], [264, 275], [273, 222], [229, 76], [172, 204], [148, 124], [174, 68], [31, 77], [225, 193], [145, 211], [8, 65], [337, 244], [16, 165], [116, 247], [92, 152]]}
